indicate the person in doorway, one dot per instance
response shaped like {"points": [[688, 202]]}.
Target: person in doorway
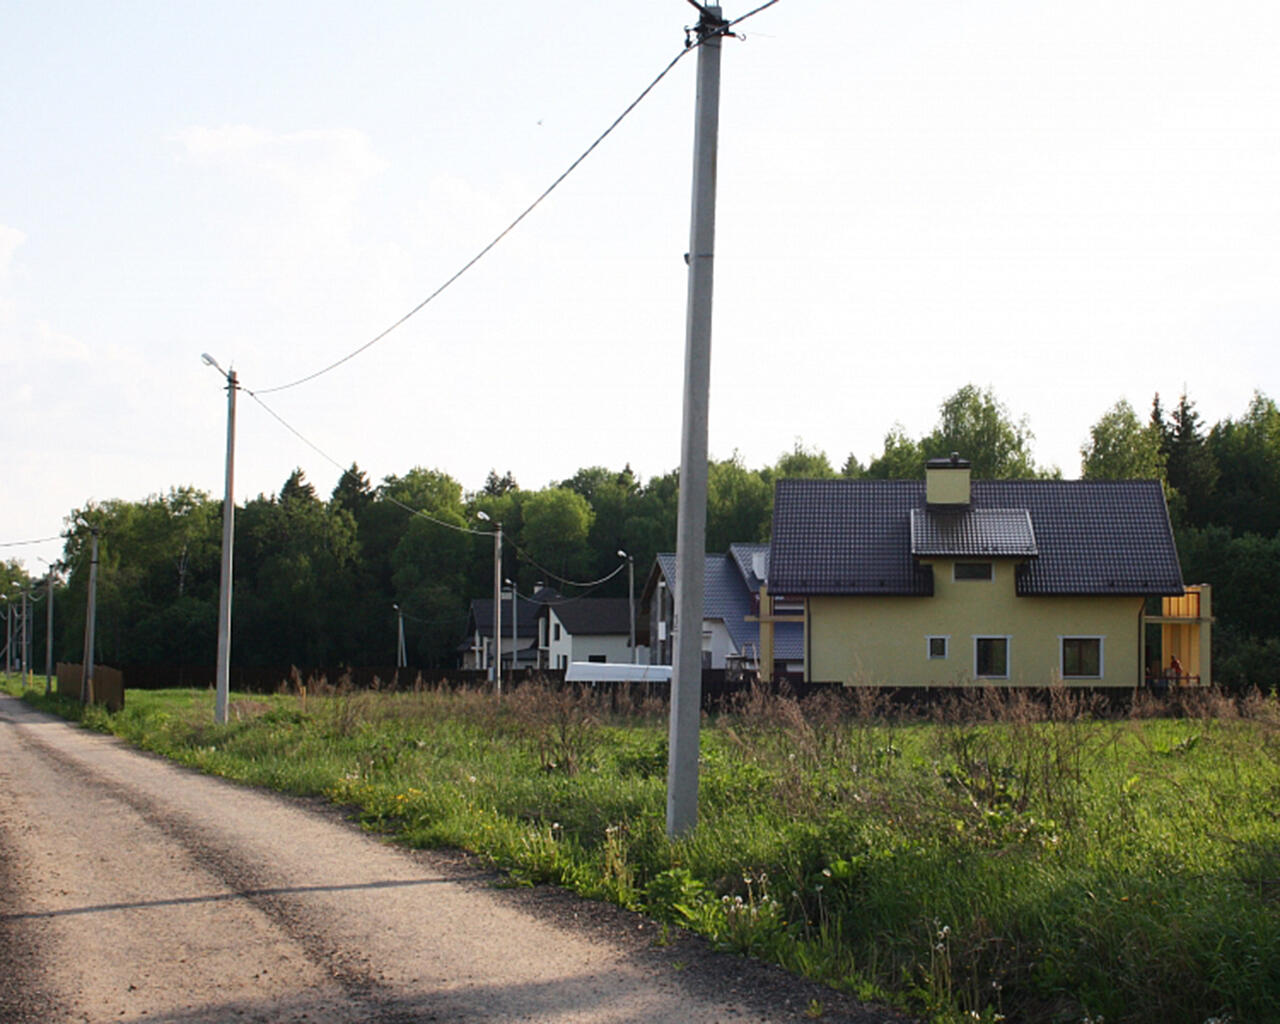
{"points": [[1175, 669]]}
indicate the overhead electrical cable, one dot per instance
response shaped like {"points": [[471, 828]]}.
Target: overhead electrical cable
{"points": [[524, 557], [503, 234], [520, 553], [749, 14], [24, 543], [329, 458]]}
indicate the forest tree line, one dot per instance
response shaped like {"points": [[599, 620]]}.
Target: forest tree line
{"points": [[316, 578]]}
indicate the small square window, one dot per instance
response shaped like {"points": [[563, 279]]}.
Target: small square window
{"points": [[991, 657], [937, 647], [972, 571], [1081, 657]]}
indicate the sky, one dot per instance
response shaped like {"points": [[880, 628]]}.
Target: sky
{"points": [[1069, 203]]}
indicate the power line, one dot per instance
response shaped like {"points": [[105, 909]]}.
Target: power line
{"points": [[503, 234], [24, 543], [749, 14], [524, 557], [329, 458], [520, 552]]}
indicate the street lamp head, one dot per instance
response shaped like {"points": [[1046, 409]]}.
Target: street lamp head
{"points": [[208, 360], [482, 514], [395, 606], [623, 554]]}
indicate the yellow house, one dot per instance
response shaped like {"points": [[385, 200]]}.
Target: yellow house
{"points": [[950, 580]]}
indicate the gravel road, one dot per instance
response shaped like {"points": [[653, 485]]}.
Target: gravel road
{"points": [[132, 889]]}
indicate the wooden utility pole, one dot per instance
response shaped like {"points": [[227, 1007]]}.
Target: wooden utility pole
{"points": [[691, 528]]}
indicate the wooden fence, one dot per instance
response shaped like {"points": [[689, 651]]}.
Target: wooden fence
{"points": [[108, 684]]}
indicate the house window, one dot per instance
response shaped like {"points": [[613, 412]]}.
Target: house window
{"points": [[1082, 657], [597, 659], [972, 571], [991, 657], [555, 631], [937, 646]]}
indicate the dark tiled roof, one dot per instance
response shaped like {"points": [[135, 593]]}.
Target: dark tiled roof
{"points": [[975, 532], [595, 616], [481, 617], [1093, 536], [845, 537], [744, 556]]}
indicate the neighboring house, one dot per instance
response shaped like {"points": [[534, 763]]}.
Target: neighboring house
{"points": [[477, 647], [731, 612], [946, 581], [587, 629]]}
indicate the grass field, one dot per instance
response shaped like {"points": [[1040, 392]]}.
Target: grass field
{"points": [[991, 859]]}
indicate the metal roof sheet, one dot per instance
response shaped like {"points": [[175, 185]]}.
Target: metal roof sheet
{"points": [[973, 532]]}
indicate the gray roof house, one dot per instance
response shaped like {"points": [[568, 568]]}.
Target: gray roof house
{"points": [[731, 606], [948, 580]]}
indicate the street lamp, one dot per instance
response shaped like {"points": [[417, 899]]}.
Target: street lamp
{"points": [[222, 678], [495, 670], [631, 600], [402, 660]]}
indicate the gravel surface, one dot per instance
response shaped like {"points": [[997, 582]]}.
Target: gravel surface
{"points": [[132, 889]]}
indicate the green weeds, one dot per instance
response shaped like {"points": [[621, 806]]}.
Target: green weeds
{"points": [[997, 858]]}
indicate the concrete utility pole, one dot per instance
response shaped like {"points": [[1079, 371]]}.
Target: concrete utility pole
{"points": [[222, 673], [402, 659], [90, 623], [691, 529], [495, 670], [515, 638], [631, 599], [26, 638], [497, 609], [48, 637]]}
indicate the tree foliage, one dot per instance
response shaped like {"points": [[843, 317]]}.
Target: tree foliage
{"points": [[316, 581], [1120, 447]]}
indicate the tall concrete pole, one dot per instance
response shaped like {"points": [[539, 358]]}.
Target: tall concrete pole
{"points": [[222, 672], [515, 637], [691, 527], [402, 659], [26, 638], [631, 599], [90, 623], [497, 608], [48, 638]]}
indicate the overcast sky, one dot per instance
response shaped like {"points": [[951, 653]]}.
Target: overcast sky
{"points": [[1068, 202]]}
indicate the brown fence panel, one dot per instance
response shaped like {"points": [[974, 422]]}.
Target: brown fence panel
{"points": [[108, 684]]}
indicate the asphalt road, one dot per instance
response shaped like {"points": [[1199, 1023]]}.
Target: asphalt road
{"points": [[132, 889]]}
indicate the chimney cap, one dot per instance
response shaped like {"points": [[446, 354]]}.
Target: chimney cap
{"points": [[953, 461]]}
